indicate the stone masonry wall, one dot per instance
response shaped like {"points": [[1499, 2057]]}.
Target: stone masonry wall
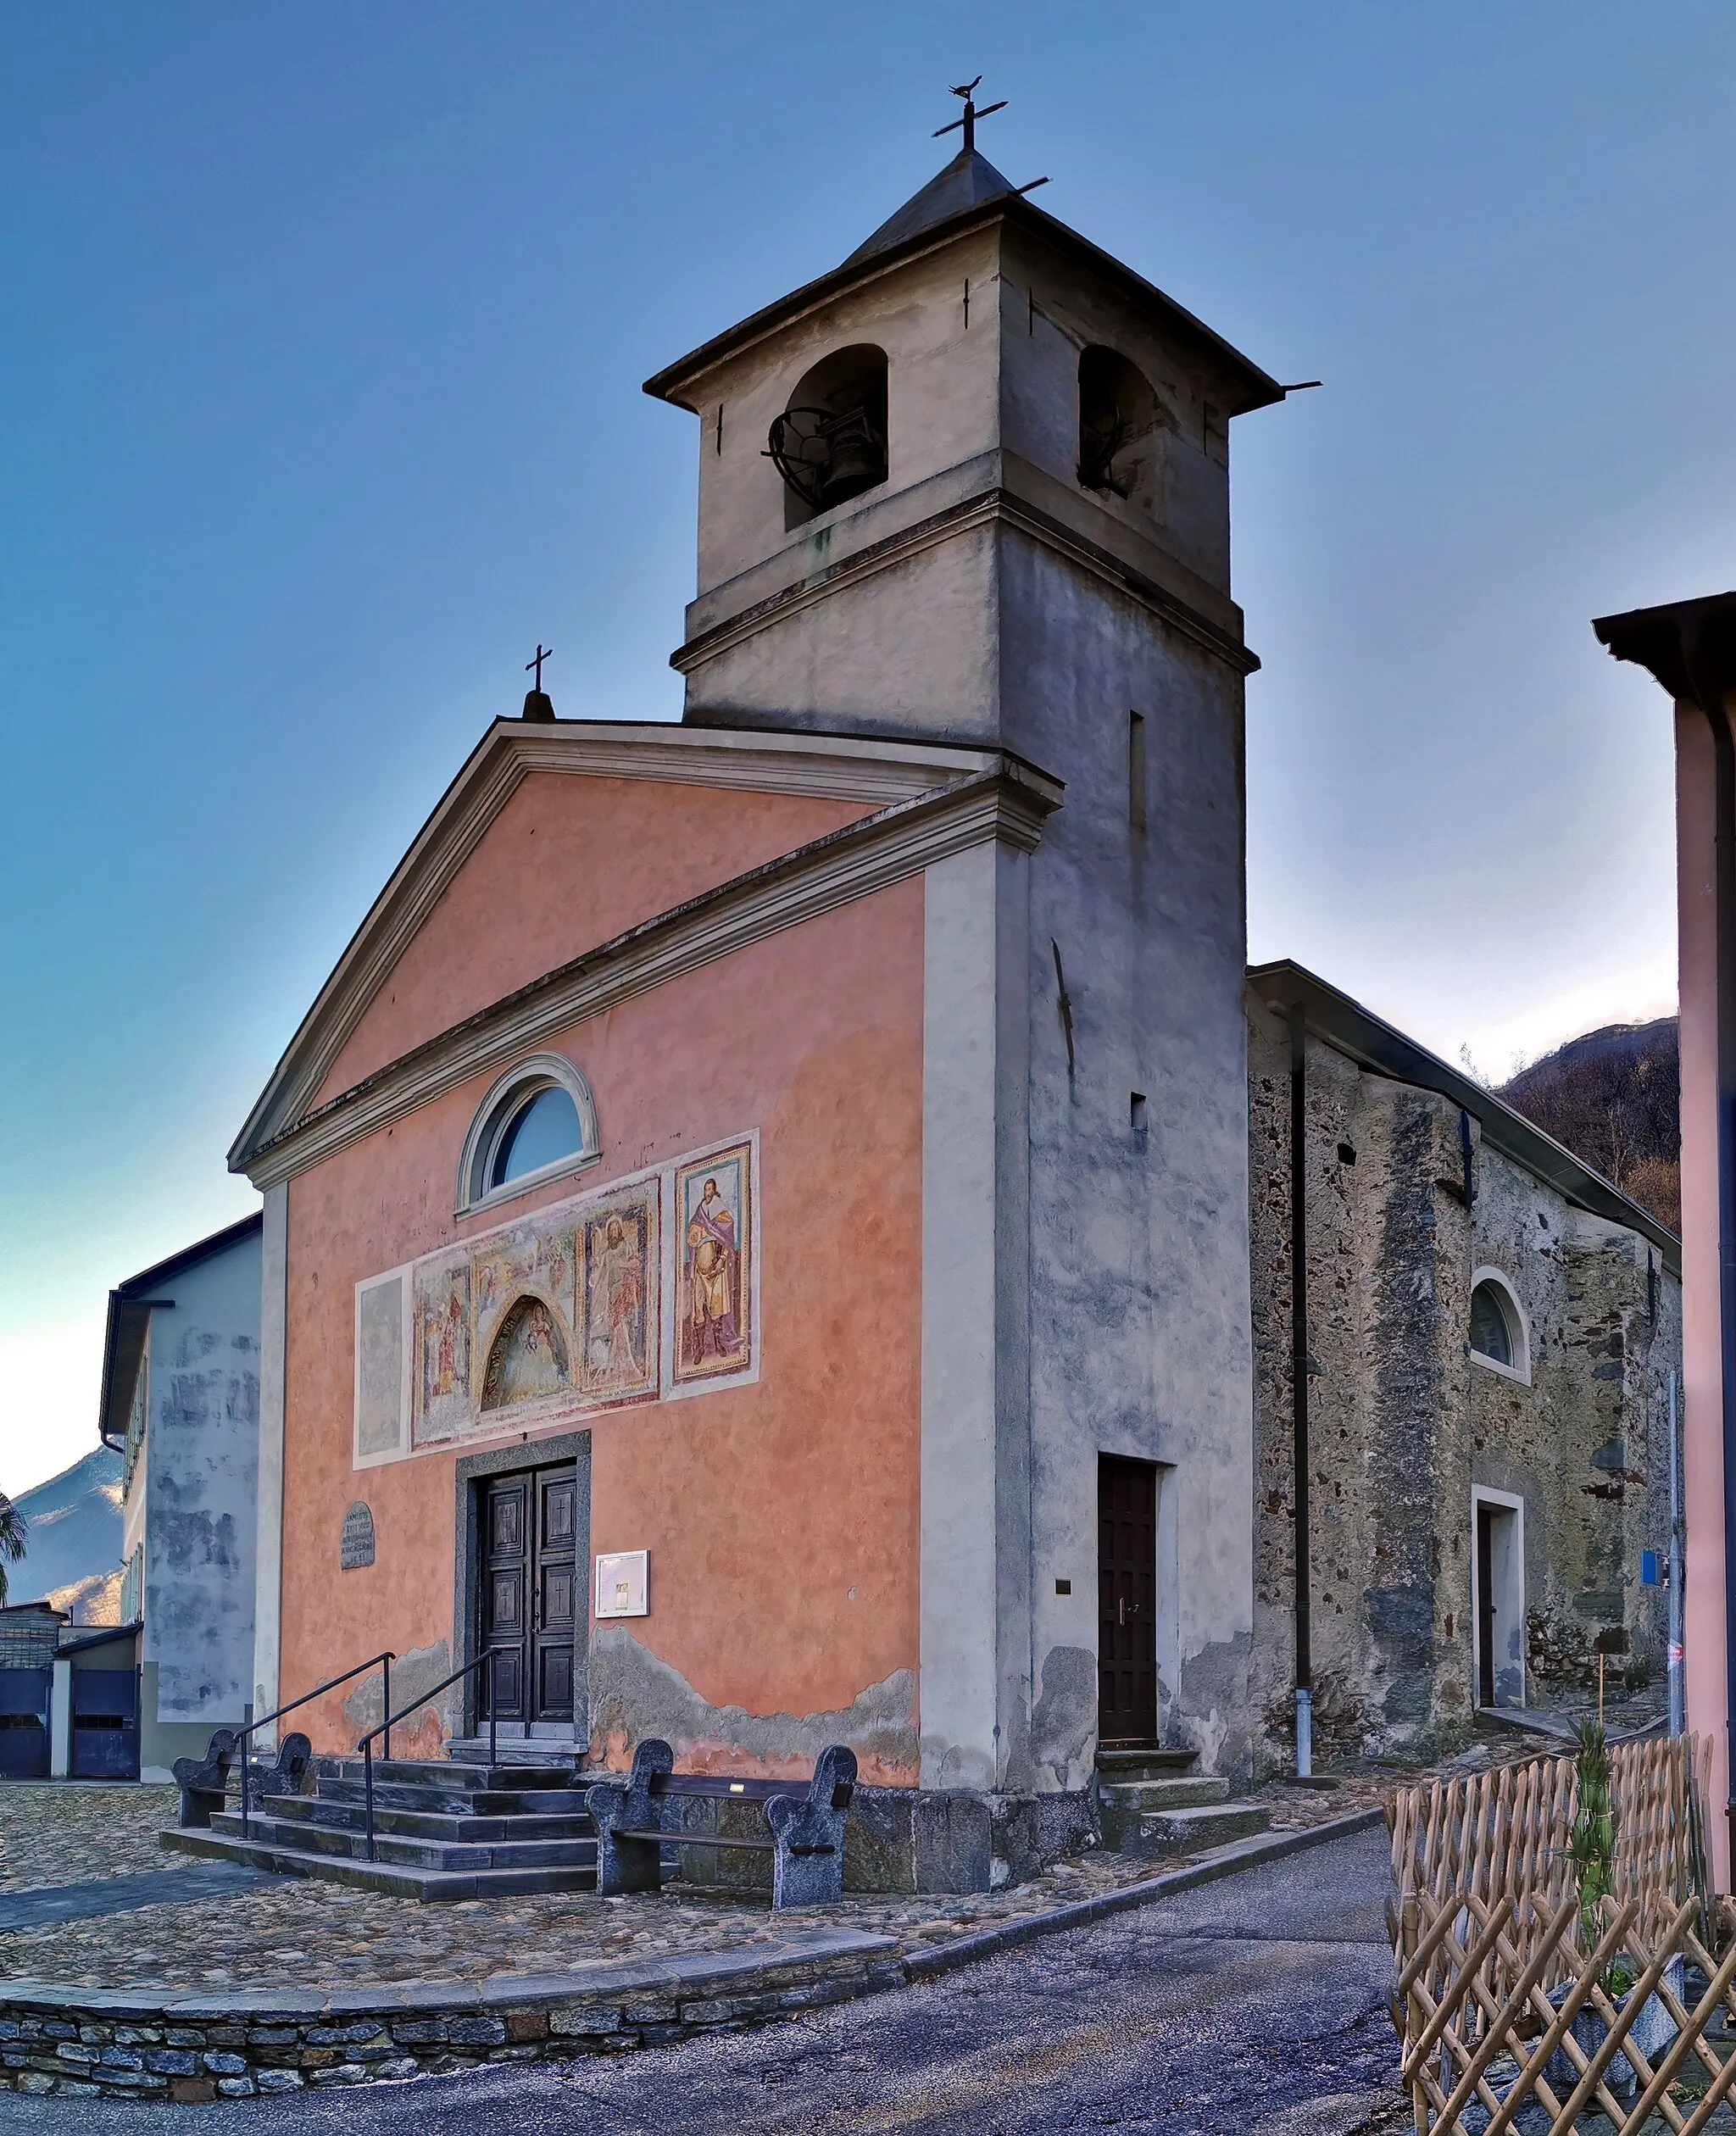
{"points": [[89, 2043], [1585, 1444], [1403, 1422]]}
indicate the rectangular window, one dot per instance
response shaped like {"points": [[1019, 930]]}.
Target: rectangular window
{"points": [[1136, 1109], [1136, 770]]}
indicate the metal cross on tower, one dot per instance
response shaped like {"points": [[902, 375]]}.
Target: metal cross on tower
{"points": [[543, 652], [972, 115]]}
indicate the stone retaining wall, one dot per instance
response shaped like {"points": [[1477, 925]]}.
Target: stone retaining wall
{"points": [[91, 2043]]}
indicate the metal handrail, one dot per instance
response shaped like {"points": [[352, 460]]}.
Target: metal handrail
{"points": [[491, 1655], [306, 1699]]}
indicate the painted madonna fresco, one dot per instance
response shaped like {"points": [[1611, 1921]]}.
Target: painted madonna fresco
{"points": [[564, 1311]]}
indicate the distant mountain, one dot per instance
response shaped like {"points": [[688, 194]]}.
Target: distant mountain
{"points": [[74, 1522], [93, 1600], [1613, 1097]]}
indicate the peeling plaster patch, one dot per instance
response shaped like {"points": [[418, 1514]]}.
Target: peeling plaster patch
{"points": [[411, 1673], [1213, 1700], [1064, 1726], [635, 1695], [945, 1765]]}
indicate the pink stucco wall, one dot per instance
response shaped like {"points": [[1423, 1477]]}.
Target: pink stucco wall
{"points": [[570, 862], [781, 1517], [1703, 1467]]}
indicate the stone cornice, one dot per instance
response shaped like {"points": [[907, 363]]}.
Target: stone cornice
{"points": [[1007, 803], [876, 772], [989, 508]]}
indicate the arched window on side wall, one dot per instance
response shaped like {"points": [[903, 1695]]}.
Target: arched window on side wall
{"points": [[829, 444], [1498, 1331], [1122, 426], [537, 1123]]}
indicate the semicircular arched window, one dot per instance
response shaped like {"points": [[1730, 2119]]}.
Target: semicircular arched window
{"points": [[1498, 1325], [537, 1124], [544, 1130]]}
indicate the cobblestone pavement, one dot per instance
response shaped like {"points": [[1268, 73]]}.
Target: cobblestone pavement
{"points": [[57, 1831], [299, 1933], [304, 1933], [1255, 2004]]}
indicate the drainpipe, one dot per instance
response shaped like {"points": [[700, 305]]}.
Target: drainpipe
{"points": [[1299, 1381]]}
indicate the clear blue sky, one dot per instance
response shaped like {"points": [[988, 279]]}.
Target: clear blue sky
{"points": [[323, 333]]}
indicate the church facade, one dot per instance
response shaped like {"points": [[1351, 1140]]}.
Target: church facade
{"points": [[756, 1225]]}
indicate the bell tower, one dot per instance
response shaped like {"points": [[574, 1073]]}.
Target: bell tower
{"points": [[972, 489], [970, 481]]}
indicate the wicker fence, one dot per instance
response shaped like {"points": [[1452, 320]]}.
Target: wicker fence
{"points": [[1506, 2020]]}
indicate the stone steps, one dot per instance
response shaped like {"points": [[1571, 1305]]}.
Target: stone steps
{"points": [[1147, 1762], [489, 1802], [395, 1880], [350, 1844], [519, 1750], [451, 1776], [432, 1824], [442, 1830], [1188, 1830], [1186, 1791]]}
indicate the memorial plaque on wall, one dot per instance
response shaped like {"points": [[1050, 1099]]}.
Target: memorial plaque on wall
{"points": [[357, 1547]]}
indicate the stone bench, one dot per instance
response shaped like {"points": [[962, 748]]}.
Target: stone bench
{"points": [[205, 1782], [807, 1830]]}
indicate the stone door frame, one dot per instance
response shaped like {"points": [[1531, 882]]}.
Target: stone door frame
{"points": [[1508, 1600]]}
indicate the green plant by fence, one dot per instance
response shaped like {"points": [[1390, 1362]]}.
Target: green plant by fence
{"points": [[1557, 1956]]}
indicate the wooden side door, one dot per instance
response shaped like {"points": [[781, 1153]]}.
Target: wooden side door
{"points": [[555, 1612], [504, 1616], [1126, 1601]]}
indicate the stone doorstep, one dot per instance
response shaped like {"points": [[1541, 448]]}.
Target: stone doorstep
{"points": [[605, 2008]]}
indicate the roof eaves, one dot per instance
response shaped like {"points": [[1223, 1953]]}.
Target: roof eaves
{"points": [[131, 1304], [1687, 647], [1263, 391], [133, 1288], [1374, 1044], [98, 1635]]}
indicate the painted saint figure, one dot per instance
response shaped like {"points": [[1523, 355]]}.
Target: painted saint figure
{"points": [[447, 1369], [617, 1304], [712, 1326]]}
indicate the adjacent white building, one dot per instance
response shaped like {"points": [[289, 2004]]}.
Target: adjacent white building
{"points": [[181, 1400]]}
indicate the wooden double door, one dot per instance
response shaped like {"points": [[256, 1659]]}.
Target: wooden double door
{"points": [[1126, 1601], [527, 1535]]}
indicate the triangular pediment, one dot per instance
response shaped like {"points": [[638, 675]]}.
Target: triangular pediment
{"points": [[869, 774]]}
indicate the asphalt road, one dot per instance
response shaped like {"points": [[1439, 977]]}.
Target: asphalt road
{"points": [[1254, 2005]]}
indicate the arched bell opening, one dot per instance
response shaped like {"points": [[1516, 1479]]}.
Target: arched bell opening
{"points": [[1121, 423], [829, 444]]}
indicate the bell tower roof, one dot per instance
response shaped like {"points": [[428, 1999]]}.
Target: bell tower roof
{"points": [[968, 180], [969, 194]]}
